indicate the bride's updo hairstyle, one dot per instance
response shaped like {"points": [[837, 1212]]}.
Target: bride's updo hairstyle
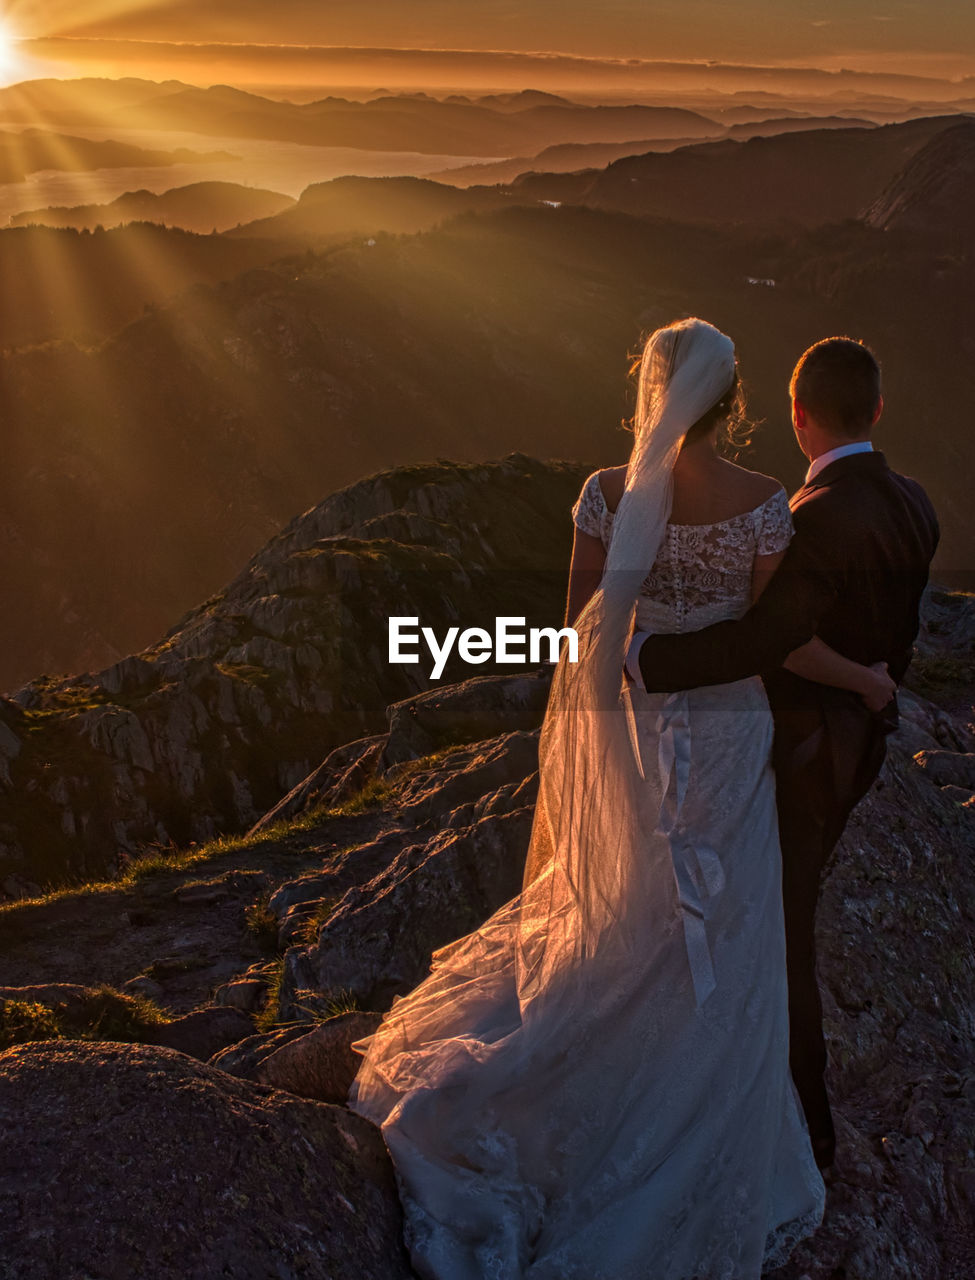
{"points": [[729, 414]]}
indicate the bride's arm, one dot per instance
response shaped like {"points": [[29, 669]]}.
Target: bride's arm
{"points": [[585, 572], [816, 661]]}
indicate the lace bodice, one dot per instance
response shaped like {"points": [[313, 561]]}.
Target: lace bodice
{"points": [[703, 572]]}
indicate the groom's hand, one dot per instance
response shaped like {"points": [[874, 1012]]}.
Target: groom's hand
{"points": [[879, 687]]}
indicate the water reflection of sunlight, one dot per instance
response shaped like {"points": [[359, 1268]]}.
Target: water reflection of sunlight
{"points": [[286, 167]]}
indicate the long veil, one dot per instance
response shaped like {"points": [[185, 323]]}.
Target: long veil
{"points": [[522, 985]]}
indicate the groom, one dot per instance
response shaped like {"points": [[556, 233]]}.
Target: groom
{"points": [[853, 575]]}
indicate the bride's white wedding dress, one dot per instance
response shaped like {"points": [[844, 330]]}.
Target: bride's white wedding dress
{"points": [[640, 1122]]}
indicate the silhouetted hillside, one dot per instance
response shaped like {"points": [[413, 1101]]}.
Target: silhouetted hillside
{"points": [[776, 125], [364, 206], [31, 150], [563, 157], [60, 283], [85, 100], [935, 194], [803, 178], [568, 156], [193, 433], [200, 206], [685, 184], [501, 124], [411, 122]]}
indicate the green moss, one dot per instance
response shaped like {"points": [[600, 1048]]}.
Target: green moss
{"points": [[262, 922], [312, 924], [345, 1002], [104, 1014], [250, 673], [266, 1019], [114, 1015], [25, 1020]]}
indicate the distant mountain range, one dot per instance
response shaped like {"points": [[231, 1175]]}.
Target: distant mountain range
{"points": [[503, 125], [141, 473], [200, 206], [568, 156], [807, 178], [803, 178], [314, 347], [32, 150]]}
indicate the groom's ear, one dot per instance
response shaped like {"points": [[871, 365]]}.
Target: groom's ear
{"points": [[798, 416], [879, 410]]}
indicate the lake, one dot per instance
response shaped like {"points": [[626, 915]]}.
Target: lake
{"points": [[287, 167]]}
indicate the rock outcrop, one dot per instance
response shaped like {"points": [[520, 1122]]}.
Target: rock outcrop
{"points": [[191, 1172], [123, 1160], [205, 731], [934, 195], [897, 971]]}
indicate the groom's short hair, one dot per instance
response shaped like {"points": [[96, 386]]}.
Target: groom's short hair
{"points": [[837, 381]]}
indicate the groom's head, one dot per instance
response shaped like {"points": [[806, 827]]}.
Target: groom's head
{"points": [[836, 395]]}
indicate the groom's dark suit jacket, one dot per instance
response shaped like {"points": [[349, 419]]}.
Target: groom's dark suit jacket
{"points": [[853, 575]]}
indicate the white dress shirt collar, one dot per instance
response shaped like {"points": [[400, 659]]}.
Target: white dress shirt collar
{"points": [[843, 451]]}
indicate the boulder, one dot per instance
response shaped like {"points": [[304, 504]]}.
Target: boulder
{"points": [[201, 1033], [321, 1064], [897, 977], [244, 1058], [379, 941], [128, 1160], [246, 994], [466, 774], [948, 768], [482, 707], [343, 772]]}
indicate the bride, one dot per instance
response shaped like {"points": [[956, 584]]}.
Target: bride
{"points": [[594, 1085]]}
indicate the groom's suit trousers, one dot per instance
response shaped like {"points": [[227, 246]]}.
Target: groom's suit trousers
{"points": [[821, 772], [853, 575]]}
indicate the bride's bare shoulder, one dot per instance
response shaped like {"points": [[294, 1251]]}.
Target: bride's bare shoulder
{"points": [[612, 481], [753, 484]]}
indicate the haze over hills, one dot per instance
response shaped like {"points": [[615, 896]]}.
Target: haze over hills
{"points": [[770, 128], [406, 122], [563, 157], [31, 150], [365, 206], [805, 178], [235, 406], [331, 339], [59, 284], [84, 100], [567, 157], [201, 206]]}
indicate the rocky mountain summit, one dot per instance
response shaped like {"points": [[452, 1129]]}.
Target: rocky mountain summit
{"points": [[180, 1032], [286, 1181], [202, 732]]}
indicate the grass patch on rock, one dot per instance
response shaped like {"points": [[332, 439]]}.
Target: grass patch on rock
{"points": [[103, 1013]]}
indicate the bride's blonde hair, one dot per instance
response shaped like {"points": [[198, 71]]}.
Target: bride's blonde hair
{"points": [[651, 368]]}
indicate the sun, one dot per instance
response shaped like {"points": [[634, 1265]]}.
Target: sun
{"points": [[10, 62]]}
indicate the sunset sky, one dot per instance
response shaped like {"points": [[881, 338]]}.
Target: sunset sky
{"points": [[934, 38]]}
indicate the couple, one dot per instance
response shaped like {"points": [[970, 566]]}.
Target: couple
{"points": [[595, 1084]]}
